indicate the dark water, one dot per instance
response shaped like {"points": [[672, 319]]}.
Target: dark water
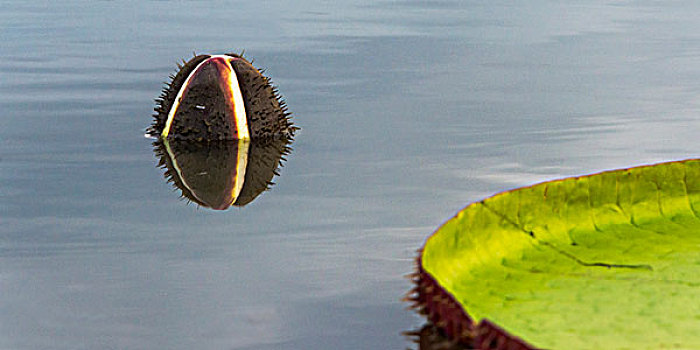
{"points": [[408, 112]]}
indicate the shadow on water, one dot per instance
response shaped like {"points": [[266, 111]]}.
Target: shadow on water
{"points": [[219, 174]]}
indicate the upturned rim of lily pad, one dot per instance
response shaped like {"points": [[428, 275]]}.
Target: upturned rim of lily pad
{"points": [[591, 227]]}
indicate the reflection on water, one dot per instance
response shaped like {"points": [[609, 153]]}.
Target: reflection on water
{"points": [[218, 174], [429, 337]]}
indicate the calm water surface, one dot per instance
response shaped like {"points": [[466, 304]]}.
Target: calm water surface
{"points": [[408, 111]]}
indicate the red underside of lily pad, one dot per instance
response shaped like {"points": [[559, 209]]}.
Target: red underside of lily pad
{"points": [[441, 308]]}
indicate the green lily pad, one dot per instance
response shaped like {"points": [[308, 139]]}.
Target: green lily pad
{"points": [[605, 261]]}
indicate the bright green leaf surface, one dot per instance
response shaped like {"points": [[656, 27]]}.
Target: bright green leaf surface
{"points": [[607, 261]]}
